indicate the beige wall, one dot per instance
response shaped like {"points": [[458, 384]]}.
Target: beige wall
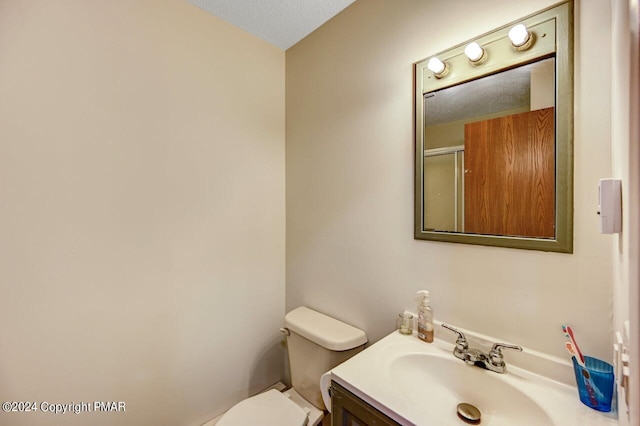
{"points": [[625, 137], [138, 141], [349, 156], [543, 85]]}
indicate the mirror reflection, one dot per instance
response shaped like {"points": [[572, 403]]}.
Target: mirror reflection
{"points": [[494, 137], [489, 154]]}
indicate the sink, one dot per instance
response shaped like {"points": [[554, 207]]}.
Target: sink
{"points": [[439, 384], [417, 383]]}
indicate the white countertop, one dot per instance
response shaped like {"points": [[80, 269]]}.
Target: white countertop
{"points": [[368, 375]]}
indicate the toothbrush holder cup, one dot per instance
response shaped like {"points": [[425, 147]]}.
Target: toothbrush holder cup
{"points": [[595, 383]]}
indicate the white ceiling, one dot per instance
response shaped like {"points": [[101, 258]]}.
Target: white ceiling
{"points": [[280, 22]]}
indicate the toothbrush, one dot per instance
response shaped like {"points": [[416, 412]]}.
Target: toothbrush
{"points": [[572, 348], [568, 332], [572, 351]]}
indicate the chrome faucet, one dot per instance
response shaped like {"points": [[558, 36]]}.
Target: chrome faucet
{"points": [[494, 360]]}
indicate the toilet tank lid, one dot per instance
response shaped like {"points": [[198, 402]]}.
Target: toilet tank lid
{"points": [[323, 330]]}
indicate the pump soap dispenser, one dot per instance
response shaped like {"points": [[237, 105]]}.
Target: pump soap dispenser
{"points": [[425, 317]]}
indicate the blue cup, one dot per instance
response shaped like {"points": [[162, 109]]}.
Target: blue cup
{"points": [[595, 383]]}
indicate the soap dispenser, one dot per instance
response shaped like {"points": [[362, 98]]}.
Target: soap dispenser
{"points": [[425, 317]]}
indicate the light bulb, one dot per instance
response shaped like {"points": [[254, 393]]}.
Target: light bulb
{"points": [[519, 35], [437, 66], [474, 52]]}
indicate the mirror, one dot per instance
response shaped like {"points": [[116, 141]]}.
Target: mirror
{"points": [[494, 138]]}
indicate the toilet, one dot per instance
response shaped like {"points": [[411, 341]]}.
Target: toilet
{"points": [[316, 343]]}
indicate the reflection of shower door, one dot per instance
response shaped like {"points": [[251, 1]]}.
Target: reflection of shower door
{"points": [[444, 189]]}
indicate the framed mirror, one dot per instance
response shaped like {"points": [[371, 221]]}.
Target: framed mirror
{"points": [[494, 137]]}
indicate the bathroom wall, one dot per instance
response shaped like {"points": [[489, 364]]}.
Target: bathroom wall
{"points": [[625, 23], [349, 158], [141, 213]]}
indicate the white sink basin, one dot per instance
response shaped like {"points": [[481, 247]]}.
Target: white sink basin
{"points": [[417, 383], [418, 376]]}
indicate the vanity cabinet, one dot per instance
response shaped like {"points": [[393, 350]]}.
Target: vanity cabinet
{"points": [[349, 410]]}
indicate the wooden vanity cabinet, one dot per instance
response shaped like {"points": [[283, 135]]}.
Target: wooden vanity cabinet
{"points": [[349, 410]]}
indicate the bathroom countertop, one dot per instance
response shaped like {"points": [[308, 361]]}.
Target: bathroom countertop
{"points": [[368, 375]]}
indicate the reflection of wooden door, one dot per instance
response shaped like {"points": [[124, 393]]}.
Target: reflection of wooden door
{"points": [[509, 181]]}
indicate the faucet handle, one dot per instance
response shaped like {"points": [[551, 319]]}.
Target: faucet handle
{"points": [[495, 354], [497, 347], [461, 341], [458, 332]]}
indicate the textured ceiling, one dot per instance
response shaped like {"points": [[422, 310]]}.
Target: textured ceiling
{"points": [[498, 92], [280, 22]]}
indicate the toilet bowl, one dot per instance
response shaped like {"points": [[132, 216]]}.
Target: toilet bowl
{"points": [[273, 408], [316, 343]]}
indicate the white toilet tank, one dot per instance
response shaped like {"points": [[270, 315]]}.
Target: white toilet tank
{"points": [[316, 344]]}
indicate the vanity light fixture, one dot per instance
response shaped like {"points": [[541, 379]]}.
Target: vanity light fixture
{"points": [[520, 37], [475, 53], [437, 67]]}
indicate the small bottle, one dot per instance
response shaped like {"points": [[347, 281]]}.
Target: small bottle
{"points": [[425, 317]]}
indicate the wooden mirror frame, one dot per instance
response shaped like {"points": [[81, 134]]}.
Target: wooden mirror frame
{"points": [[561, 17]]}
